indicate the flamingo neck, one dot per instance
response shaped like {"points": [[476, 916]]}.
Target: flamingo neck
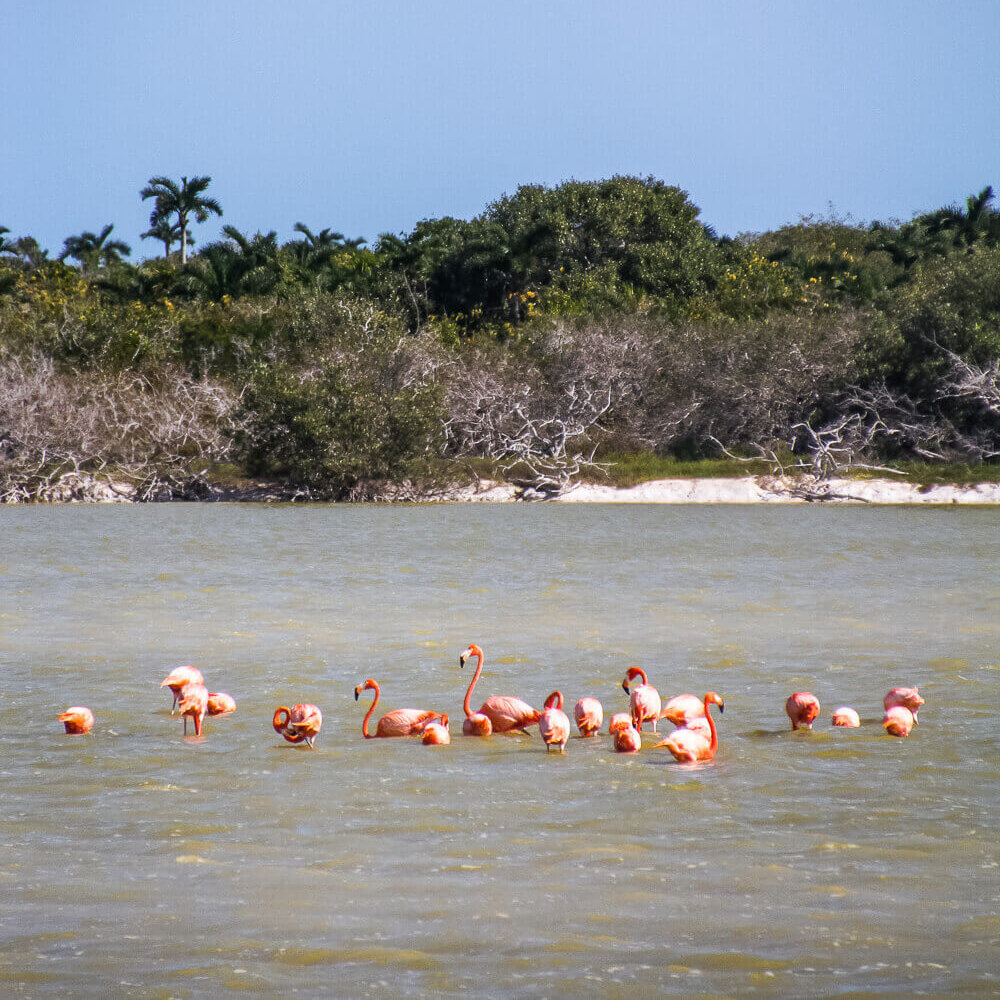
{"points": [[554, 700], [637, 672], [466, 705], [714, 742], [371, 708]]}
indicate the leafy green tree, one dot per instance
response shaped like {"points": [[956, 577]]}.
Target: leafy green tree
{"points": [[181, 202], [91, 251]]}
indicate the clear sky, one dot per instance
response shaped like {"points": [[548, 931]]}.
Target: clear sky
{"points": [[367, 117]]}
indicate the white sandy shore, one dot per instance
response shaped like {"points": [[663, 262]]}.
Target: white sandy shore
{"points": [[760, 489]]}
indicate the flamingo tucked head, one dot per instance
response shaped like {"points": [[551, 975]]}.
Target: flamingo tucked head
{"points": [[898, 720], [436, 733], [845, 716], [802, 707], [620, 720]]}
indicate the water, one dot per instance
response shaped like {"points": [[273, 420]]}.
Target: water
{"points": [[839, 862]]}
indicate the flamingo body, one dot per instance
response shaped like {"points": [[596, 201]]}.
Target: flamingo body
{"points": [[505, 713], [192, 703], [690, 746], [220, 703], [627, 739], [77, 720], [553, 723], [298, 724], [589, 715], [436, 733], [682, 708], [898, 720], [178, 677], [802, 707], [477, 724], [644, 700], [845, 716], [907, 697], [620, 720]]}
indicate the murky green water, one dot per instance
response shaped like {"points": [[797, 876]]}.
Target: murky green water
{"points": [[133, 863]]}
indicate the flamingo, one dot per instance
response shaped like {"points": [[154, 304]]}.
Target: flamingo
{"points": [[845, 716], [802, 707], [220, 703], [77, 719], [644, 700], [627, 739], [437, 733], [193, 702], [505, 713], [298, 724], [898, 720], [176, 680], [400, 722], [682, 708], [620, 720], [589, 715], [907, 697], [689, 746], [553, 724]]}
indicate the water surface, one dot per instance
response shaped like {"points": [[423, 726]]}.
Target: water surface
{"points": [[837, 862]]}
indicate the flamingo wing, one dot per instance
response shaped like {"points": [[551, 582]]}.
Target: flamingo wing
{"points": [[506, 712], [405, 722]]}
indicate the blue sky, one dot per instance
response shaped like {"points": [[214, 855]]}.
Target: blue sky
{"points": [[368, 117]]}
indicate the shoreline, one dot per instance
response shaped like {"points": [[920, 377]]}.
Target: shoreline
{"points": [[76, 488]]}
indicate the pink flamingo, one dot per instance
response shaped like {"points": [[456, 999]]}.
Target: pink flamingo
{"points": [[176, 680], [437, 733], [77, 719], [553, 724], [399, 722], [898, 720], [506, 714], [620, 720], [589, 715], [802, 707], [644, 700], [907, 697], [682, 708], [298, 724], [845, 716], [193, 702], [220, 703], [627, 739], [689, 746]]}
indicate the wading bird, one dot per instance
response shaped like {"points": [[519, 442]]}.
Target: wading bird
{"points": [[690, 745], [845, 716], [298, 724], [78, 720], [589, 715], [553, 724], [620, 720], [907, 697], [399, 722], [627, 739], [682, 708], [220, 703], [898, 720], [193, 703], [644, 700], [437, 733], [505, 713], [802, 707], [176, 680]]}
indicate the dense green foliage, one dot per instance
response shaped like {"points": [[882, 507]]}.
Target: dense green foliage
{"points": [[499, 335]]}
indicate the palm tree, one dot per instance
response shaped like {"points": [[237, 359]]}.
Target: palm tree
{"points": [[168, 233], [92, 251], [6, 246], [181, 200]]}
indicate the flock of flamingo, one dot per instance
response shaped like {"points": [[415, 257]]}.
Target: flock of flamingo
{"points": [[694, 739]]}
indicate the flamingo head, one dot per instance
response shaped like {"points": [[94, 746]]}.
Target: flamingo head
{"points": [[471, 650], [368, 684], [715, 699]]}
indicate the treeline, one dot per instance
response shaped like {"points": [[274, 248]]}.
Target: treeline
{"points": [[559, 327]]}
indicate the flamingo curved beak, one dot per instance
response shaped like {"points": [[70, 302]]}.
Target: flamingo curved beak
{"points": [[722, 707], [462, 659], [625, 685], [357, 693]]}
